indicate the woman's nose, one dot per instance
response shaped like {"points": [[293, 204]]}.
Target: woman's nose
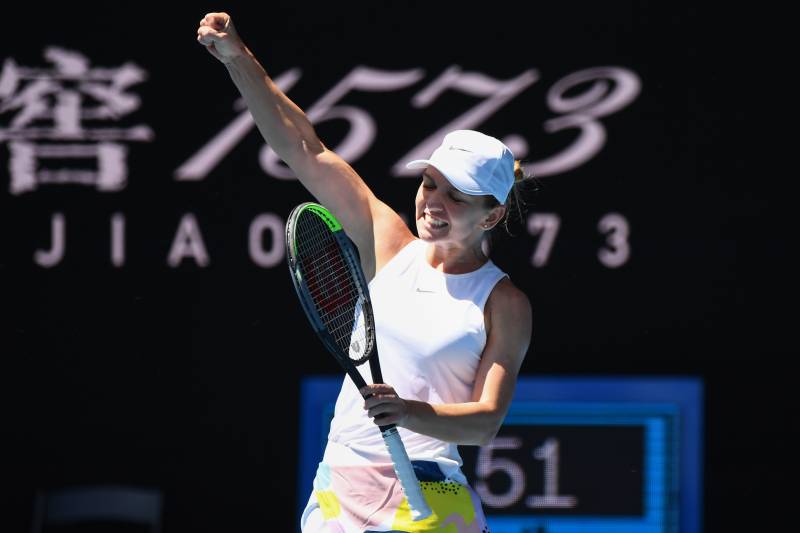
{"points": [[433, 197], [433, 203]]}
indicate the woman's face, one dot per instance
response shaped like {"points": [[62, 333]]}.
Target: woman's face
{"points": [[446, 215]]}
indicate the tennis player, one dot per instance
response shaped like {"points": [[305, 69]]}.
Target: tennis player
{"points": [[452, 329]]}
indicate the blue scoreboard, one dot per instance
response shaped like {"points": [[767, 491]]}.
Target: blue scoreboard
{"points": [[575, 455]]}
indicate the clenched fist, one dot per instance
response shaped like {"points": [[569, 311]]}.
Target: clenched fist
{"points": [[218, 35]]}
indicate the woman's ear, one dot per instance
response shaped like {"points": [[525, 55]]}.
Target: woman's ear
{"points": [[494, 217]]}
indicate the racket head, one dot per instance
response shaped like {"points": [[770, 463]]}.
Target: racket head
{"points": [[329, 282]]}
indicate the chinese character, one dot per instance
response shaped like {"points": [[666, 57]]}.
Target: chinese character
{"points": [[55, 115]]}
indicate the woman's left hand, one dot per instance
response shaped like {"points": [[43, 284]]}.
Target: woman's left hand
{"points": [[383, 404]]}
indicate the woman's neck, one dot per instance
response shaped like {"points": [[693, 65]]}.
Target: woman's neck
{"points": [[452, 259]]}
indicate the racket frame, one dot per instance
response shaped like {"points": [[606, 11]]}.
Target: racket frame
{"points": [[391, 437]]}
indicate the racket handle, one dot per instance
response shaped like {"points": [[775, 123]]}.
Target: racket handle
{"points": [[405, 473]]}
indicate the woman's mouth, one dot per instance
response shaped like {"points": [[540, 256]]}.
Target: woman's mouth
{"points": [[434, 222]]}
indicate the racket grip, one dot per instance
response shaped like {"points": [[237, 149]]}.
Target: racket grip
{"points": [[405, 473]]}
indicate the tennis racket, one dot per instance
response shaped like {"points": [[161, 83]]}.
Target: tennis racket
{"points": [[329, 281]]}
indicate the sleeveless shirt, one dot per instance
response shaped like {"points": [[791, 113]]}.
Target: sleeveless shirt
{"points": [[430, 335]]}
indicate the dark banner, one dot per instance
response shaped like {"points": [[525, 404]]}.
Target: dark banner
{"points": [[152, 338]]}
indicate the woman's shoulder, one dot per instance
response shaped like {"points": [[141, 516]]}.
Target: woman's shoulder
{"points": [[391, 234], [508, 305]]}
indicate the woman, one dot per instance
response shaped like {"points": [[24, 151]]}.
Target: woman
{"points": [[452, 328]]}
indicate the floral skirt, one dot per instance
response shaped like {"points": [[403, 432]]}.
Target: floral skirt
{"points": [[363, 499]]}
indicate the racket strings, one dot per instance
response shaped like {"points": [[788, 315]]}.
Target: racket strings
{"points": [[337, 301], [333, 289]]}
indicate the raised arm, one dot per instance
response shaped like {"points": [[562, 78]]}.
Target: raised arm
{"points": [[285, 127]]}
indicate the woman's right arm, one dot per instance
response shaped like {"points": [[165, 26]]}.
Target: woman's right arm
{"points": [[285, 127]]}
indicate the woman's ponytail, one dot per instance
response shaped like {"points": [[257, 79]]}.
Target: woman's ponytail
{"points": [[516, 204]]}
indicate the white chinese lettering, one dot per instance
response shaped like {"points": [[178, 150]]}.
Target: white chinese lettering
{"points": [[50, 115]]}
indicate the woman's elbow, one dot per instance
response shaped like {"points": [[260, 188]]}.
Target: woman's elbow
{"points": [[490, 429], [485, 439]]}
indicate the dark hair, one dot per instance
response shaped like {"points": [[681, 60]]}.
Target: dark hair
{"points": [[516, 203]]}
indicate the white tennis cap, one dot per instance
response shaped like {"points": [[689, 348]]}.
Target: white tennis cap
{"points": [[474, 163]]}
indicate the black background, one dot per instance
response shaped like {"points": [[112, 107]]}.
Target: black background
{"points": [[187, 378]]}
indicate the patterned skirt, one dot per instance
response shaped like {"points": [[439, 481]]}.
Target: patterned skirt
{"points": [[364, 499]]}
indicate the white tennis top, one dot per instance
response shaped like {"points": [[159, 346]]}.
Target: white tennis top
{"points": [[431, 335]]}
